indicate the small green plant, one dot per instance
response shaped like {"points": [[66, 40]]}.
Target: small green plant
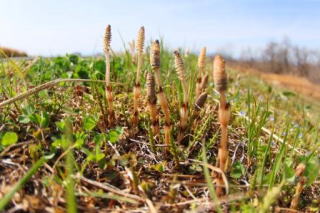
{"points": [[9, 138]]}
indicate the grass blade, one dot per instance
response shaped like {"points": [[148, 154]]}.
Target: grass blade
{"points": [[208, 178], [70, 195]]}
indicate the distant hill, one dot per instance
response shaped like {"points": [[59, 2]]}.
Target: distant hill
{"points": [[9, 52]]}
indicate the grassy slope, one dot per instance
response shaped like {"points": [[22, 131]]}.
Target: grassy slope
{"points": [[260, 162]]}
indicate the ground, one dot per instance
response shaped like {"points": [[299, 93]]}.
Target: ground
{"points": [[60, 141]]}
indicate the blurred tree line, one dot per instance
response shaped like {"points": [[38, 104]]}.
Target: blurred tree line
{"points": [[283, 58]]}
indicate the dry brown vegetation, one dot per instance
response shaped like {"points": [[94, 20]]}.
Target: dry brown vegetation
{"points": [[284, 58], [298, 84], [283, 64], [9, 52]]}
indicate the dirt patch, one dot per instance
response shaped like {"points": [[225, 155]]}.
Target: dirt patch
{"points": [[298, 84]]}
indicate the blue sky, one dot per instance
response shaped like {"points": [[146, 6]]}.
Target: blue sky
{"points": [[65, 26]]}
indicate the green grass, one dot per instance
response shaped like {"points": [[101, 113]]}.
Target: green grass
{"points": [[271, 132]]}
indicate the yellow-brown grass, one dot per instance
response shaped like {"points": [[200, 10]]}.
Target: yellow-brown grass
{"points": [[298, 84]]}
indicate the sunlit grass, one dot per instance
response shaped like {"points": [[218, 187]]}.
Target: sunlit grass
{"points": [[272, 130]]}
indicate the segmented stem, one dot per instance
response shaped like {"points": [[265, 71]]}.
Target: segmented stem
{"points": [[220, 80], [106, 48], [137, 86], [219, 74], [301, 182], [152, 101], [108, 88], [202, 61], [179, 65], [139, 50], [201, 67], [155, 64], [155, 61]]}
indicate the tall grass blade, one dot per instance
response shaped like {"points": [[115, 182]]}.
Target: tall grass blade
{"points": [[208, 178], [70, 161]]}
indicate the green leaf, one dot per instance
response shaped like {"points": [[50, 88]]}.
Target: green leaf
{"points": [[237, 170], [99, 156], [89, 123], [73, 58], [41, 119], [9, 138], [114, 135], [61, 143], [57, 143], [99, 139], [61, 125], [80, 138], [312, 169], [160, 167], [288, 93], [44, 120], [288, 169], [24, 119], [212, 191]]}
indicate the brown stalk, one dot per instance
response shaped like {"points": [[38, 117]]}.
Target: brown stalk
{"points": [[220, 81], [301, 182], [155, 61], [109, 96], [155, 64], [152, 101], [201, 68], [137, 86], [167, 120], [198, 105], [179, 65], [204, 82]]}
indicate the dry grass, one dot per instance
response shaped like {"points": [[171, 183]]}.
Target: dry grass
{"points": [[295, 83]]}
